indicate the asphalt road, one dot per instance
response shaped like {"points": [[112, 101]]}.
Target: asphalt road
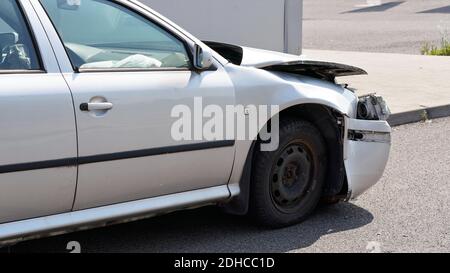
{"points": [[395, 26], [407, 211]]}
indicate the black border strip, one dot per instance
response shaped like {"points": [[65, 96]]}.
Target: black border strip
{"points": [[154, 151], [21, 167], [68, 162]]}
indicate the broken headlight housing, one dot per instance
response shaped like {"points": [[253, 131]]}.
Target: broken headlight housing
{"points": [[372, 107]]}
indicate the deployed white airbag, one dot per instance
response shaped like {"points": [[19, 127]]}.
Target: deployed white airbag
{"points": [[133, 61]]}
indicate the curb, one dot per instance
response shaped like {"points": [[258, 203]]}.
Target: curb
{"points": [[419, 115]]}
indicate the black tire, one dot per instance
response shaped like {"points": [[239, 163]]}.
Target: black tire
{"points": [[287, 183]]}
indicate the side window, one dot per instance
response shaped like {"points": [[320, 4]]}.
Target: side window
{"points": [[17, 50], [100, 34]]}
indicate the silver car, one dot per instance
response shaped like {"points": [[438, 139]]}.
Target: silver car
{"points": [[87, 94]]}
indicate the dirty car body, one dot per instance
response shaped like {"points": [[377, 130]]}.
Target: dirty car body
{"points": [[91, 144]]}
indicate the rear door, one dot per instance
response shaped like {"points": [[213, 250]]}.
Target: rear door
{"points": [[38, 146], [127, 73]]}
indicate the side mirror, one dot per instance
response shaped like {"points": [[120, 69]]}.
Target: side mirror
{"points": [[203, 59]]}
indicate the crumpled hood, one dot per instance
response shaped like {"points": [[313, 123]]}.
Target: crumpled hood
{"points": [[260, 58], [276, 61]]}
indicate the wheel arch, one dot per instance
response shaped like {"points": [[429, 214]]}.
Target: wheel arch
{"points": [[329, 121]]}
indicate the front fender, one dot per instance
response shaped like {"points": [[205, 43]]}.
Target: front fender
{"points": [[260, 87]]}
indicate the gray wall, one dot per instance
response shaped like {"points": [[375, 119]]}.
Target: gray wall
{"points": [[268, 24]]}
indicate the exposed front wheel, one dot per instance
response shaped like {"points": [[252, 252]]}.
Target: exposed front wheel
{"points": [[287, 183]]}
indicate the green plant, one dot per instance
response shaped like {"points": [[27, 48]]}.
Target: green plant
{"points": [[442, 50]]}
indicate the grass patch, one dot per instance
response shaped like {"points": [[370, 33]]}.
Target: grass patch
{"points": [[442, 50]]}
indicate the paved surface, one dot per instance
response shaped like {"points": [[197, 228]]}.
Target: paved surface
{"points": [[407, 82], [407, 211], [397, 26]]}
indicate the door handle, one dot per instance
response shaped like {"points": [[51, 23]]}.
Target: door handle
{"points": [[96, 106]]}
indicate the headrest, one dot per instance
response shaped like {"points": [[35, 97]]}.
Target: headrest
{"points": [[8, 39]]}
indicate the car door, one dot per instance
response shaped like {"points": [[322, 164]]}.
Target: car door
{"points": [[38, 147], [127, 72]]}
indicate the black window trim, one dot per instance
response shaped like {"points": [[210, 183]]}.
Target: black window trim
{"points": [[115, 70], [35, 45]]}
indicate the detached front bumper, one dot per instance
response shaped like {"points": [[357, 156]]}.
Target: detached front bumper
{"points": [[366, 153]]}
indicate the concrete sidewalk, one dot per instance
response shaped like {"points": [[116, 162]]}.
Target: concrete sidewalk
{"points": [[415, 87]]}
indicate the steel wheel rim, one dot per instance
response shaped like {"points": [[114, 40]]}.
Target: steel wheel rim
{"points": [[291, 177]]}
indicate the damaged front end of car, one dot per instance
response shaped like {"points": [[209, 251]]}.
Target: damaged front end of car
{"points": [[365, 134]]}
